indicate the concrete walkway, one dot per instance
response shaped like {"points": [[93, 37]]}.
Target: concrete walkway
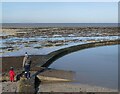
{"points": [[9, 86]]}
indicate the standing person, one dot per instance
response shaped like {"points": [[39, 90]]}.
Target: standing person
{"points": [[26, 65], [11, 74], [24, 60]]}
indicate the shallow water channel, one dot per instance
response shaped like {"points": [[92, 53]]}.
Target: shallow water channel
{"points": [[95, 66]]}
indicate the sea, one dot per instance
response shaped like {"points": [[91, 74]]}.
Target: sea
{"points": [[94, 66], [36, 25]]}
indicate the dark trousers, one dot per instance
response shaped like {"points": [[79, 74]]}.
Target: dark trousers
{"points": [[27, 71]]}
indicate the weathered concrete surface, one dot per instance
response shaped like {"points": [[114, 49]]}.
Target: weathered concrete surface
{"points": [[9, 87], [26, 85]]}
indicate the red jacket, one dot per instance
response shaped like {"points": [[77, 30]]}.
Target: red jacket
{"points": [[11, 73]]}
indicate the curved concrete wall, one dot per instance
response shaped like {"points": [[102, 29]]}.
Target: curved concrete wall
{"points": [[59, 53]]}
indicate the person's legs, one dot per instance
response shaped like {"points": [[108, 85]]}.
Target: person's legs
{"points": [[27, 71], [26, 67], [28, 74], [10, 78]]}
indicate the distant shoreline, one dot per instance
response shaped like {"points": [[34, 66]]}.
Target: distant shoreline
{"points": [[43, 25]]}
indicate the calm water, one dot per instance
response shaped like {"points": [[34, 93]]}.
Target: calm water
{"points": [[95, 66], [57, 24]]}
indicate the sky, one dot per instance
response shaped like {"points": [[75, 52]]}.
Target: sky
{"points": [[60, 0], [60, 12]]}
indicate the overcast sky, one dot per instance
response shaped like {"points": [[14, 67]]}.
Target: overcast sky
{"points": [[64, 12]]}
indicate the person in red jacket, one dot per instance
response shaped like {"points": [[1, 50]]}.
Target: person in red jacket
{"points": [[11, 74]]}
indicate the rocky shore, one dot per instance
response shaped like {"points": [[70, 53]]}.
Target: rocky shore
{"points": [[15, 39], [51, 80], [61, 31]]}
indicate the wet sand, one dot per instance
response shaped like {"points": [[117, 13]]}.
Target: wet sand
{"points": [[7, 62], [63, 81], [16, 62], [69, 87], [62, 74], [58, 87]]}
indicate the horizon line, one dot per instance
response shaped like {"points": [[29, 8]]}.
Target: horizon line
{"points": [[52, 23]]}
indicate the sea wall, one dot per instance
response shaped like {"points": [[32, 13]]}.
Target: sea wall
{"points": [[59, 53]]}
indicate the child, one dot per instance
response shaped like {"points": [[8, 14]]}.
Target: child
{"points": [[12, 74], [18, 76]]}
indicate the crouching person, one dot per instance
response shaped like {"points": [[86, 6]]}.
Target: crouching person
{"points": [[18, 76]]}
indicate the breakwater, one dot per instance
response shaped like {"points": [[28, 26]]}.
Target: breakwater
{"points": [[59, 53]]}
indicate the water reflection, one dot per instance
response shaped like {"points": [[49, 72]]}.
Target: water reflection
{"points": [[95, 66]]}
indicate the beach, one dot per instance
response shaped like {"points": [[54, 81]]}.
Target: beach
{"points": [[51, 77], [72, 47], [40, 43]]}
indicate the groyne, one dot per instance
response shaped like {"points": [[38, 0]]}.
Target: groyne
{"points": [[59, 53]]}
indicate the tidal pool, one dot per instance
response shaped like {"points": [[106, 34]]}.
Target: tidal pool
{"points": [[95, 66]]}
